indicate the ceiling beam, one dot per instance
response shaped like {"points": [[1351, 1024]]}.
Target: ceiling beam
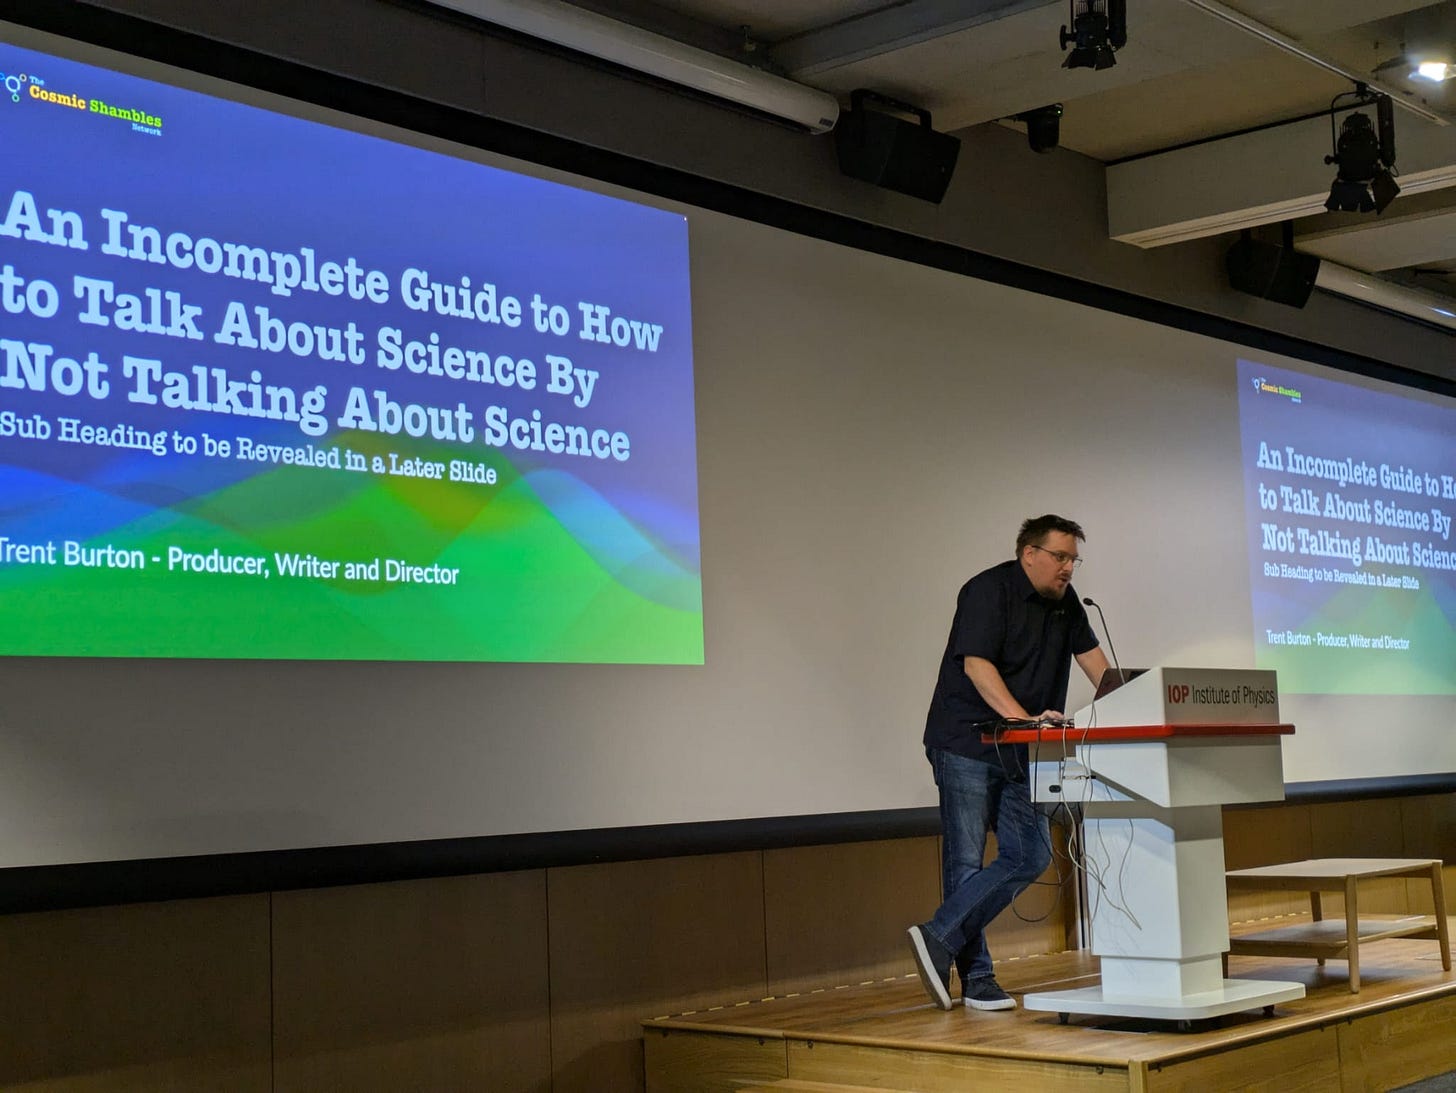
{"points": [[654, 54], [1272, 174], [890, 28], [1417, 231]]}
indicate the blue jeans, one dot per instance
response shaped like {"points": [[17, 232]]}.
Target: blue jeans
{"points": [[976, 797]]}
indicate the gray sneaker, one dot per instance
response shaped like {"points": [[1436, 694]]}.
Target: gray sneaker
{"points": [[932, 961], [986, 994]]}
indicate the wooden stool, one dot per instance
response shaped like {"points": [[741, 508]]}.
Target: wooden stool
{"points": [[1325, 940]]}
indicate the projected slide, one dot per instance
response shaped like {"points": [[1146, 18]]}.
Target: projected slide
{"points": [[274, 389], [1350, 496]]}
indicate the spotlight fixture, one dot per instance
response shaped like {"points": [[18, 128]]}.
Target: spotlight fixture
{"points": [[1099, 30], [1434, 71], [1043, 126], [1427, 45], [1365, 156]]}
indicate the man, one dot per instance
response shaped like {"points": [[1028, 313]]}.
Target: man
{"points": [[1017, 627]]}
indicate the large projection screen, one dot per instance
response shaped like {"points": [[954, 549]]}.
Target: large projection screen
{"points": [[866, 434], [284, 390]]}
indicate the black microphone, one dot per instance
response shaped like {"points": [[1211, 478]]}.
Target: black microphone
{"points": [[1090, 602]]}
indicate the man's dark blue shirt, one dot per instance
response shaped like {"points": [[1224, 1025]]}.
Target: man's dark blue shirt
{"points": [[1030, 639]]}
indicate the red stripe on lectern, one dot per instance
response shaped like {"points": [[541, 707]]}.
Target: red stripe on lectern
{"points": [[1132, 732]]}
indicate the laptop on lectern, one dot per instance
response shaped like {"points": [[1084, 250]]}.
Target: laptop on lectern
{"points": [[1113, 678]]}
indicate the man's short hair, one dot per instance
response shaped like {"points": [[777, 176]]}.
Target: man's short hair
{"points": [[1035, 531]]}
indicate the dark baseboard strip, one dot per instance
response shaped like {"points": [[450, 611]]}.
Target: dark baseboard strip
{"points": [[1359, 789], [89, 884]]}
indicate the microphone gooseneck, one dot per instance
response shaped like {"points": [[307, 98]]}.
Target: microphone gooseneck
{"points": [[1090, 602]]}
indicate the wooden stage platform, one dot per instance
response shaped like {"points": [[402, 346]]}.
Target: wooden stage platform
{"points": [[885, 1036]]}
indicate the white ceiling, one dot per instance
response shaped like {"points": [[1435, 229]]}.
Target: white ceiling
{"points": [[1192, 71]]}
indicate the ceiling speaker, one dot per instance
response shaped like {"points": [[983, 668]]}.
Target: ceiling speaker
{"points": [[1272, 272], [908, 157]]}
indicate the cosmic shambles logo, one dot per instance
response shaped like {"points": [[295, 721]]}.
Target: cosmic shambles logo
{"points": [[1264, 387], [29, 86], [13, 85]]}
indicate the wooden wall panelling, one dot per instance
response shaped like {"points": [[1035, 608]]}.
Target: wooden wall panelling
{"points": [[1429, 828], [1361, 829], [1265, 836], [838, 914], [167, 997], [1356, 829], [632, 940], [1428, 825], [435, 984]]}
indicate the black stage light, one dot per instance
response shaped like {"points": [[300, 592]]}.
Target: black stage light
{"points": [[1365, 158], [1099, 30], [1349, 197], [1043, 126]]}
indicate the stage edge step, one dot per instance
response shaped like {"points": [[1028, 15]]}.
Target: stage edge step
{"points": [[794, 1085]]}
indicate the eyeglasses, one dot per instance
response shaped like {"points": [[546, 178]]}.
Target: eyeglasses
{"points": [[1061, 557]]}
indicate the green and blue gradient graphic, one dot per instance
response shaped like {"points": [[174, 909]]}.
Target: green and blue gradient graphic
{"points": [[129, 524], [1345, 600]]}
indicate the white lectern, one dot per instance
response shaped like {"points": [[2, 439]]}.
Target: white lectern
{"points": [[1152, 764]]}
